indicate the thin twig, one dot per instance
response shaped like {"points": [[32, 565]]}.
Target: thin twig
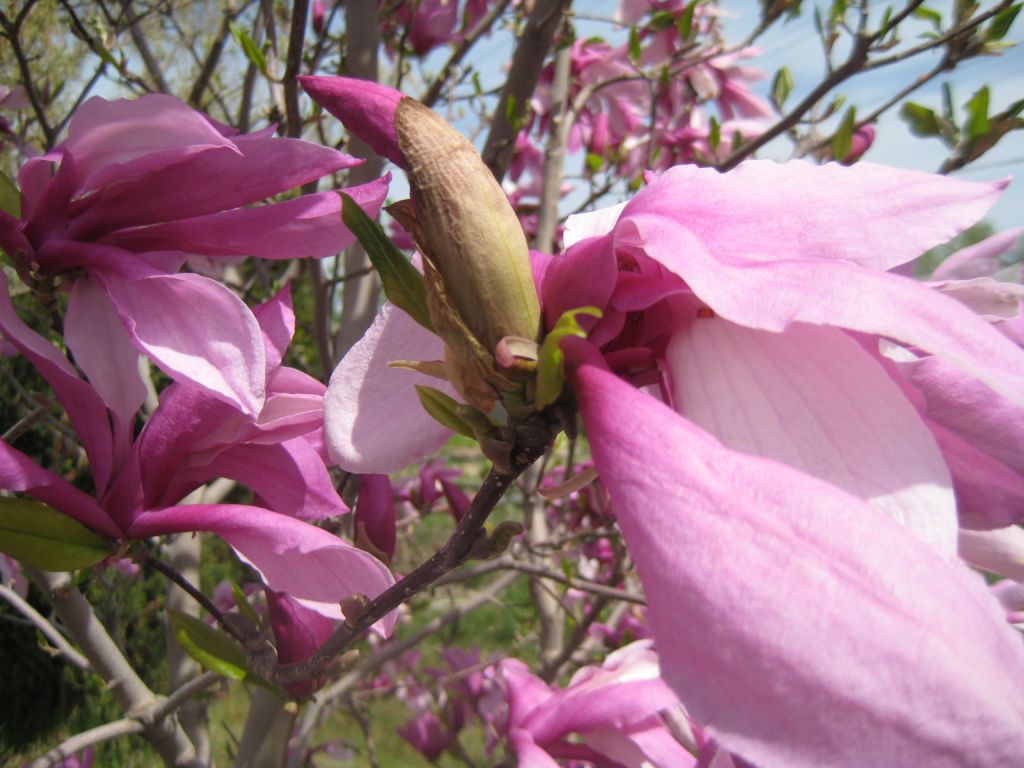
{"points": [[51, 632]]}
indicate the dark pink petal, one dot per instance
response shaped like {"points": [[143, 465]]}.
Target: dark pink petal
{"points": [[298, 632], [770, 295], [367, 109], [105, 135], [308, 226], [584, 276], [528, 754], [375, 513], [813, 398], [196, 330], [373, 418], [20, 474], [84, 406], [315, 567], [804, 627], [205, 183], [868, 214]]}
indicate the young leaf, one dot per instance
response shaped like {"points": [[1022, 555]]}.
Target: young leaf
{"points": [[977, 124], [42, 537], [403, 285], [842, 142], [634, 45], [714, 134], [210, 647], [782, 85], [443, 409], [685, 25], [551, 362], [933, 17], [922, 121], [1001, 23], [244, 606], [10, 197], [249, 48]]}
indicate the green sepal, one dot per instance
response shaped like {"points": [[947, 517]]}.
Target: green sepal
{"points": [[782, 86], [41, 537], [977, 124], [10, 197], [842, 142], [252, 51], [551, 362], [214, 649], [403, 285], [443, 409]]}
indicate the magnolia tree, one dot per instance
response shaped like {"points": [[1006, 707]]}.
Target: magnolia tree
{"points": [[741, 467]]}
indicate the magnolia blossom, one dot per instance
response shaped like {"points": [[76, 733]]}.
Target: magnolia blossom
{"points": [[193, 437], [137, 187]]}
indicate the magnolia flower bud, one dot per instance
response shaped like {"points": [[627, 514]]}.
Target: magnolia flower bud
{"points": [[472, 236]]}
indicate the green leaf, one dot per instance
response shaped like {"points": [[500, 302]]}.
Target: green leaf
{"points": [[1001, 23], [551, 360], [838, 10], [443, 409], [714, 134], [661, 20], [842, 141], [403, 285], [10, 197], [594, 162], [947, 102], [933, 17], [210, 647], [977, 124], [249, 48], [782, 86], [634, 45], [922, 121], [244, 607], [685, 25], [41, 537]]}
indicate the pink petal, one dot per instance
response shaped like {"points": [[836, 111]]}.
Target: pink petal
{"points": [[868, 214], [308, 226], [104, 136], [105, 354], [277, 323], [771, 295], [85, 408], [373, 418], [310, 564], [298, 632], [20, 474], [812, 398], [1000, 551], [802, 625], [375, 512], [528, 754], [195, 329], [366, 108], [978, 260]]}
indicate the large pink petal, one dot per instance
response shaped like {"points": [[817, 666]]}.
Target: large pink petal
{"points": [[306, 226], [84, 406], [20, 474], [813, 398], [105, 353], [804, 627], [366, 108], [373, 419], [770, 295], [106, 136], [868, 214], [205, 183], [195, 329], [310, 564]]}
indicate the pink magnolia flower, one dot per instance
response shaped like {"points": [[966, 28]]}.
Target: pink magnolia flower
{"points": [[193, 437], [139, 185], [615, 710]]}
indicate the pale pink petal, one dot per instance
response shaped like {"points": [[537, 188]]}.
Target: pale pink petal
{"points": [[868, 214], [366, 108], [195, 329], [1000, 551], [804, 627], [315, 567], [580, 226], [84, 406], [277, 323], [978, 260], [373, 418], [771, 295], [20, 474], [813, 398], [104, 352], [308, 226]]}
